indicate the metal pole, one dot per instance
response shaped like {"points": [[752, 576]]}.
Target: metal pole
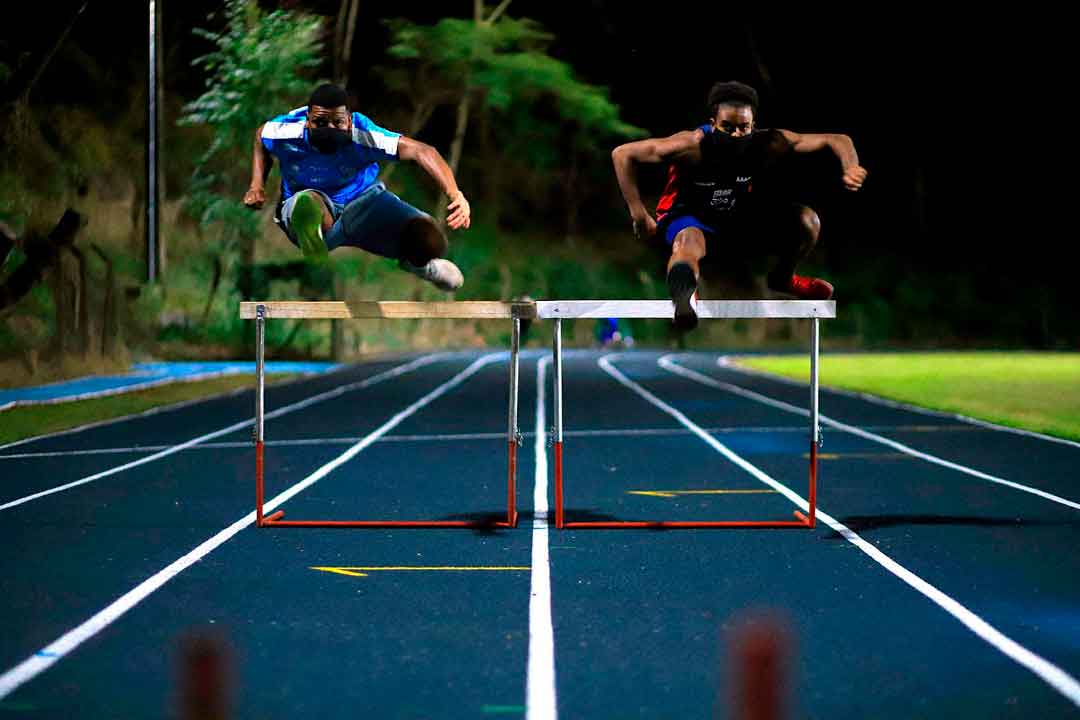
{"points": [[260, 357], [558, 429], [513, 436], [151, 155], [515, 342], [815, 429]]}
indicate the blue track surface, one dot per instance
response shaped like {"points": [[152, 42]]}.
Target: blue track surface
{"points": [[145, 375], [641, 619]]}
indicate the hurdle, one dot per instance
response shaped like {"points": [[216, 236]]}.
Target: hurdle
{"points": [[261, 311], [814, 310]]}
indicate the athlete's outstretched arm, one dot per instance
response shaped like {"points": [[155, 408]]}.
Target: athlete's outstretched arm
{"points": [[842, 147], [434, 165], [261, 163], [684, 146]]}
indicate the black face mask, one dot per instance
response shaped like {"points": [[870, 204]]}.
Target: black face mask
{"points": [[328, 140], [720, 148]]}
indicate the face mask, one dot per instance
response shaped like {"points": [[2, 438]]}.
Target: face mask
{"points": [[328, 140], [721, 148]]}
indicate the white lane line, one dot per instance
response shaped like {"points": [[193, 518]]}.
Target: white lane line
{"points": [[392, 438], [666, 363], [394, 372], [40, 661], [725, 362], [157, 410], [1054, 676], [540, 701], [457, 437]]}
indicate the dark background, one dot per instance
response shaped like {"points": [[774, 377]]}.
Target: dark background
{"points": [[959, 119]]}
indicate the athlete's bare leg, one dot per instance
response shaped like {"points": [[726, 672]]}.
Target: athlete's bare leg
{"points": [[687, 249], [804, 233]]}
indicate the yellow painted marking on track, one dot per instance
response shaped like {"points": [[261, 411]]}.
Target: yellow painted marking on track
{"points": [[676, 493], [854, 456], [363, 571]]}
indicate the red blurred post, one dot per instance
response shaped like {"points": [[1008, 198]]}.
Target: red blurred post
{"points": [[760, 656], [205, 679]]}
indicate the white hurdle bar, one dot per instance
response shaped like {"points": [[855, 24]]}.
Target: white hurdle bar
{"points": [[261, 311], [559, 310]]}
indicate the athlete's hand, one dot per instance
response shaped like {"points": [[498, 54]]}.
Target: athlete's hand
{"points": [[460, 212], [644, 225], [854, 177], [255, 198]]}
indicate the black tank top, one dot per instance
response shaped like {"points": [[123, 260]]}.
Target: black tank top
{"points": [[728, 179]]}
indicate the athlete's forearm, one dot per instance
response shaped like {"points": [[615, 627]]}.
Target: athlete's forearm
{"points": [[435, 166], [261, 162], [626, 175], [844, 149]]}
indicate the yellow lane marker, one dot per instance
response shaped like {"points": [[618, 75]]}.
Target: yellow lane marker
{"points": [[857, 456], [676, 493], [363, 571]]}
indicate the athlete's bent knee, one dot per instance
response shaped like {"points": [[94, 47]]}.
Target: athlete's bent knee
{"points": [[422, 241]]}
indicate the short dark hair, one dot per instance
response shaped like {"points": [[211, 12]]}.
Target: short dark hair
{"points": [[328, 96], [731, 92]]}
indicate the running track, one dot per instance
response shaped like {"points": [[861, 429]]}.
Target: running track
{"points": [[942, 579]]}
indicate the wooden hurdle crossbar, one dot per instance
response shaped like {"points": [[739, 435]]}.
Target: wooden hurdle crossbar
{"points": [[260, 312]]}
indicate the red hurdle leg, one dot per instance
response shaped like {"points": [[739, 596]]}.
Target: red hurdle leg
{"points": [[259, 490], [558, 486]]}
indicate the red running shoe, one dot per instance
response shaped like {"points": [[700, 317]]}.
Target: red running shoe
{"points": [[804, 287]]}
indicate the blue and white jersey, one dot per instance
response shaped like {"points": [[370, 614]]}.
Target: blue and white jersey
{"points": [[342, 175]]}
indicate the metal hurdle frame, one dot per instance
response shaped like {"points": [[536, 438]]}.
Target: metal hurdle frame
{"points": [[815, 310], [261, 311]]}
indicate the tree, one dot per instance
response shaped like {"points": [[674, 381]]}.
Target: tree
{"points": [[344, 29], [547, 117], [259, 67]]}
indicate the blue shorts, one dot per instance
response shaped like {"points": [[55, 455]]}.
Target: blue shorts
{"points": [[371, 221], [676, 226]]}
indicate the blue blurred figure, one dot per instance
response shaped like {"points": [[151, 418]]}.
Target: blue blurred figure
{"points": [[609, 334]]}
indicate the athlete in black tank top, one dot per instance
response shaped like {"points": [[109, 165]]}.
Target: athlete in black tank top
{"points": [[722, 184], [711, 182]]}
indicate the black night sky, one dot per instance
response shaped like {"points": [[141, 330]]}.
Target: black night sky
{"points": [[957, 116]]}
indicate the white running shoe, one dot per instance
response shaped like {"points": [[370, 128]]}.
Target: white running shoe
{"points": [[441, 273]]}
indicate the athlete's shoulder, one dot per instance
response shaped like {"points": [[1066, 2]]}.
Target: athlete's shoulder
{"points": [[772, 141], [286, 127], [363, 122]]}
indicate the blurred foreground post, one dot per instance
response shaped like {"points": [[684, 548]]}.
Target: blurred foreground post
{"points": [[205, 678], [760, 659]]}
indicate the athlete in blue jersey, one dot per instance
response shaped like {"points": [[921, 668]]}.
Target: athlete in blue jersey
{"points": [[330, 195], [710, 195]]}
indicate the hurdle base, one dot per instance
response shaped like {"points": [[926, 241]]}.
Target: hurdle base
{"points": [[276, 521], [660, 524], [802, 522]]}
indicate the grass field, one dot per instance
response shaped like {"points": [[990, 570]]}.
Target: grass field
{"points": [[1033, 391], [23, 422]]}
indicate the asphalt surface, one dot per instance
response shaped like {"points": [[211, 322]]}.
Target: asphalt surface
{"points": [[439, 624]]}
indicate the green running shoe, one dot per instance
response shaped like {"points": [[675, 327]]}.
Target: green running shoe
{"points": [[306, 224]]}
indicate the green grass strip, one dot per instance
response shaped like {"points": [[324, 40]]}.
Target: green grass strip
{"points": [[1027, 390], [30, 420]]}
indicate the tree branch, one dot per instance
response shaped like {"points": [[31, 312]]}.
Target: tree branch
{"points": [[40, 255], [497, 12], [21, 86]]}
